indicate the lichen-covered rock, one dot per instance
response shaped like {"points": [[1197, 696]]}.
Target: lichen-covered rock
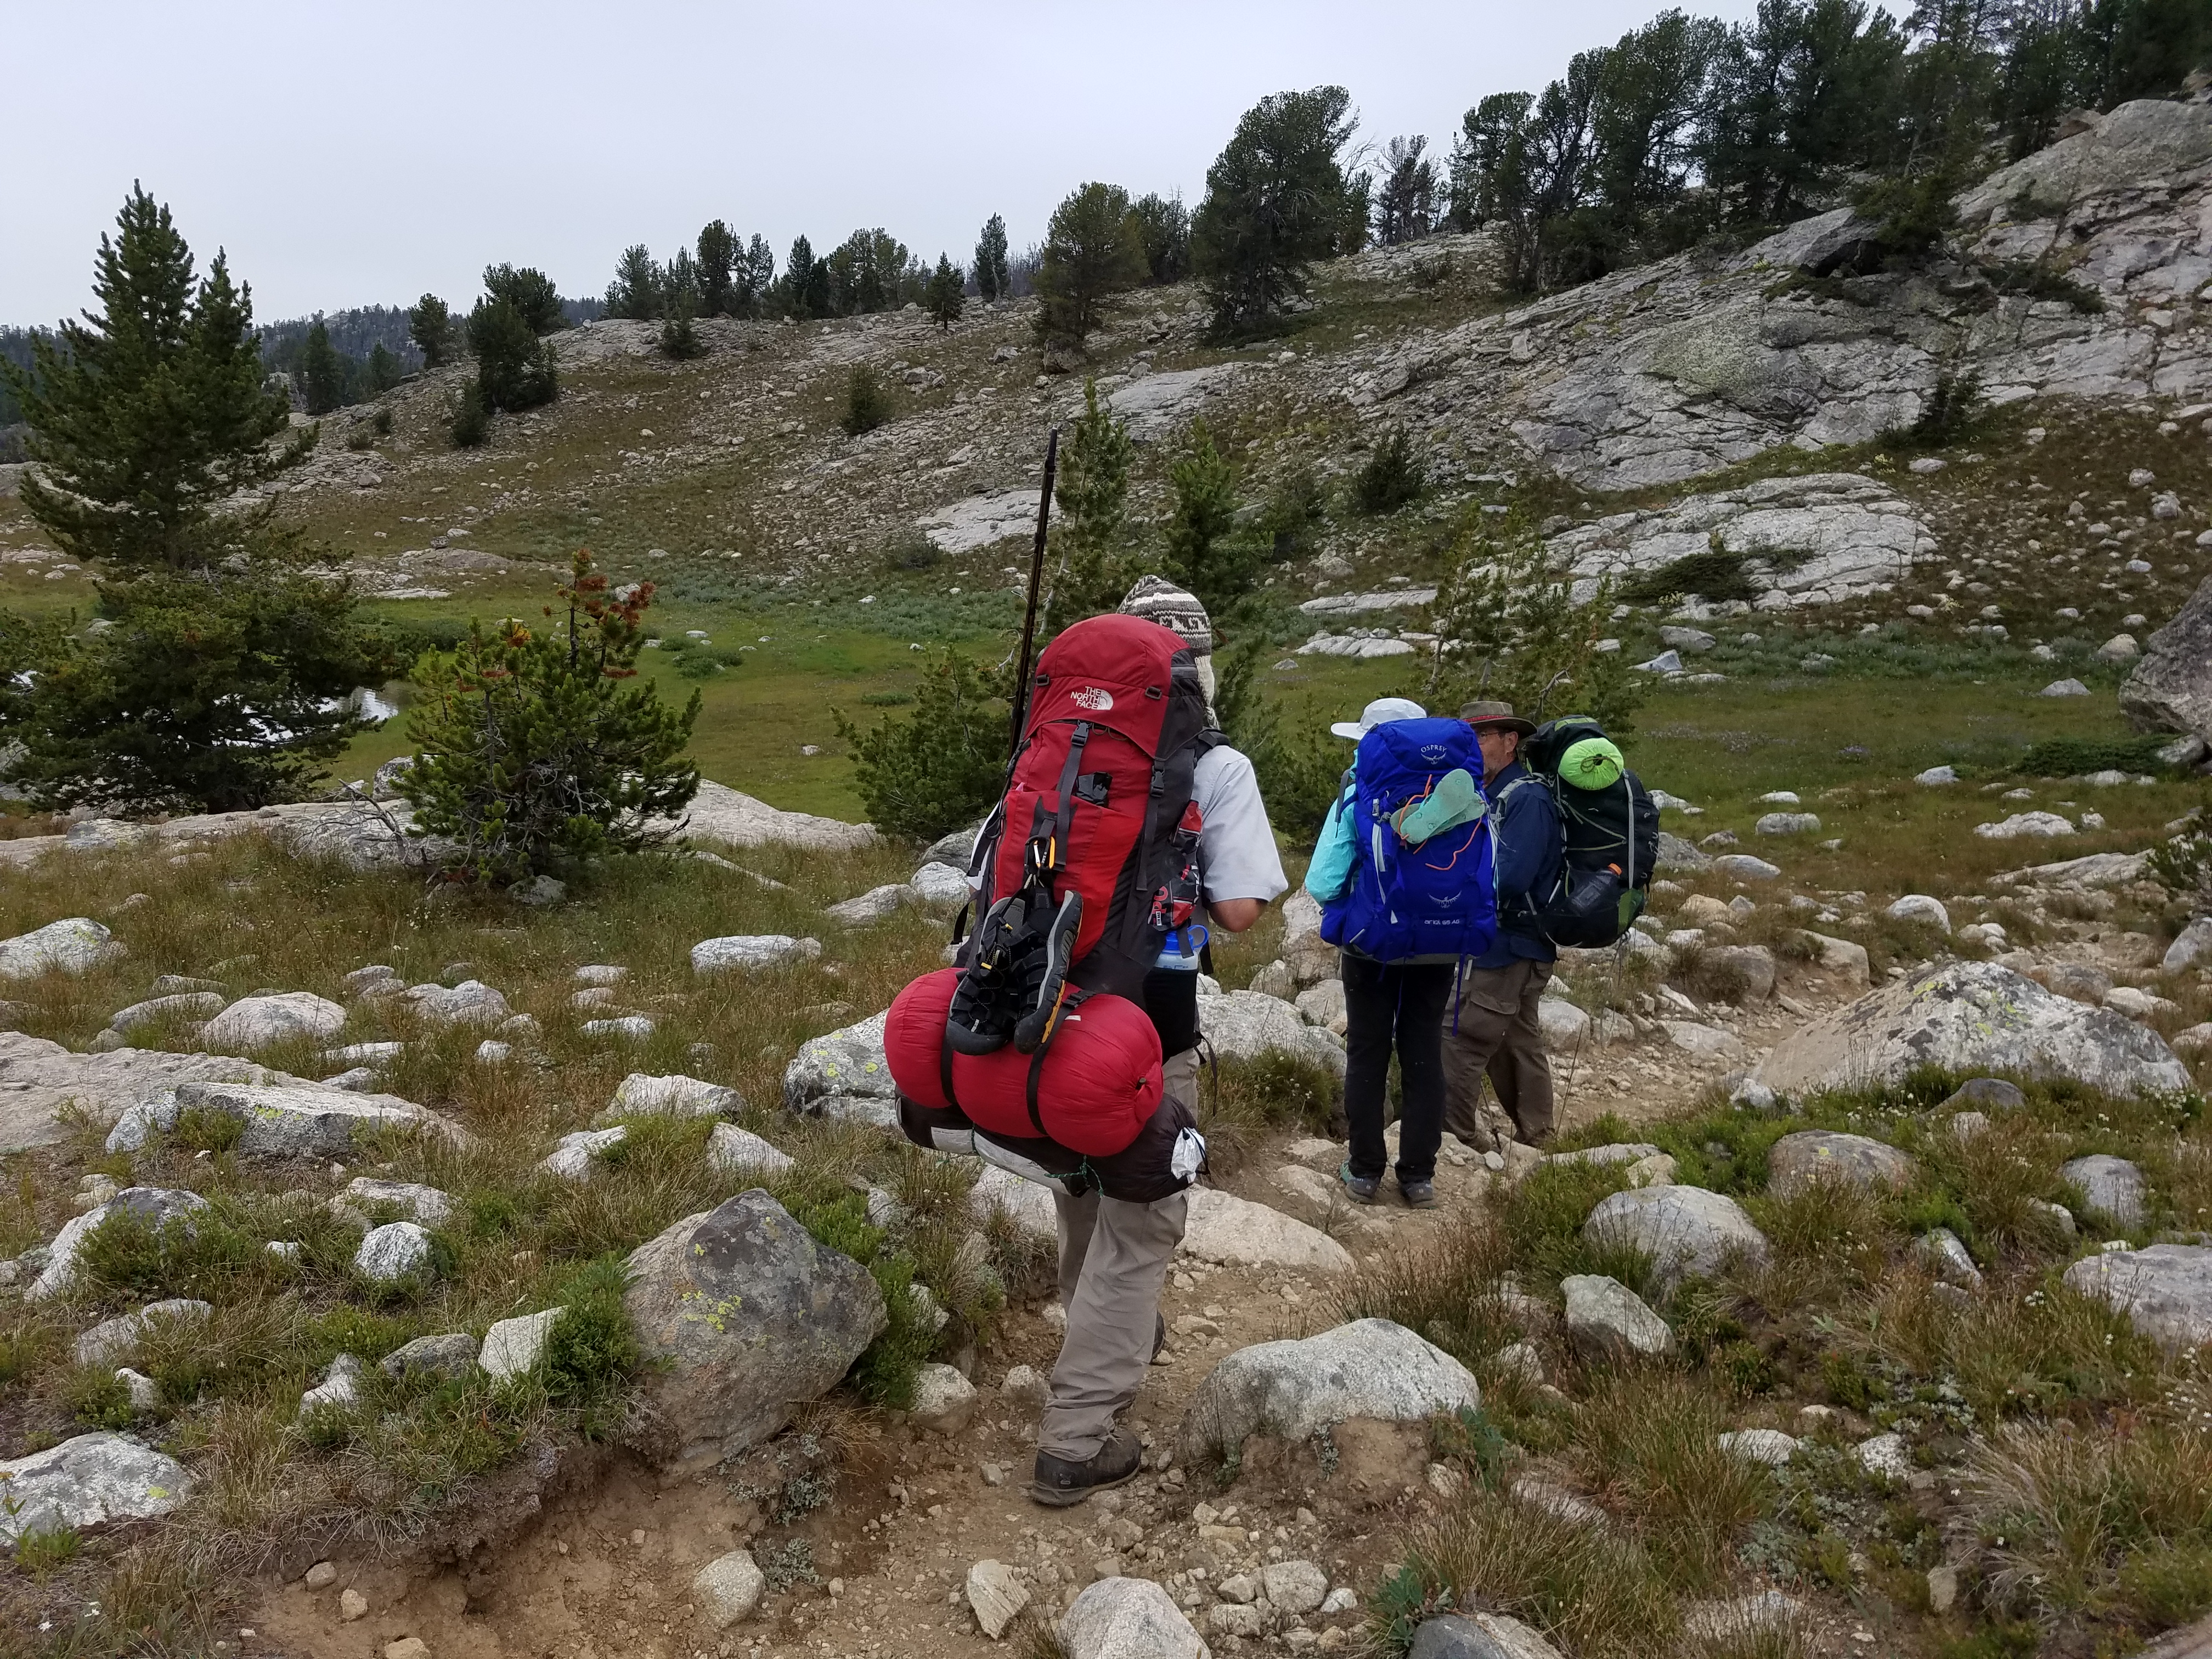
{"points": [[579, 1152], [740, 1316], [114, 1339], [1811, 1156], [1369, 1368], [76, 944], [396, 1250], [154, 1205], [89, 1481], [470, 1003], [1245, 1024], [252, 1023], [1971, 1017], [750, 953], [640, 1095], [2167, 1290], [729, 1587], [2111, 1190], [846, 1062], [1129, 1618], [1685, 1231], [1609, 1323], [451, 1355], [181, 1005], [734, 1150], [424, 1203], [304, 1121], [944, 1399], [513, 1346]]}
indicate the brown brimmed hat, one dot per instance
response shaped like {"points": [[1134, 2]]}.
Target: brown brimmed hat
{"points": [[1480, 714]]}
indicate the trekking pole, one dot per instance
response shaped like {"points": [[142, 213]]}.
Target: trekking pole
{"points": [[1021, 698]]}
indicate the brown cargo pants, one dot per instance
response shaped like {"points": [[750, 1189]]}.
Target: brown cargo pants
{"points": [[1498, 1036], [1114, 1257]]}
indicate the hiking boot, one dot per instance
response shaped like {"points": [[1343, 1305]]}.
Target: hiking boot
{"points": [[1418, 1194], [1360, 1188], [1061, 1485]]}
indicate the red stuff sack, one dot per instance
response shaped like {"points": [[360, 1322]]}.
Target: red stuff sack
{"points": [[1092, 1090]]}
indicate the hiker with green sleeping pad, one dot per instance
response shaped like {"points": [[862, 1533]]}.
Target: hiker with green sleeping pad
{"points": [[1576, 834]]}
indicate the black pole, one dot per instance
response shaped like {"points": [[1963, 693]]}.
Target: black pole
{"points": [[1021, 697]]}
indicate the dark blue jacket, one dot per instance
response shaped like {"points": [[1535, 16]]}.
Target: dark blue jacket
{"points": [[1525, 827]]}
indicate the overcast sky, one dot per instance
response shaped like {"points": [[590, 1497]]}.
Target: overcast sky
{"points": [[349, 156]]}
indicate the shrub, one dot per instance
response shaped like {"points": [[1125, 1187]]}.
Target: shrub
{"points": [[591, 1350], [467, 420], [679, 338], [1954, 409], [98, 1399], [941, 768], [2066, 757], [1393, 477], [380, 422], [867, 404], [913, 552], [531, 751]]}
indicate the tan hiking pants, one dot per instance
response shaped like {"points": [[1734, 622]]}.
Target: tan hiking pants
{"points": [[1114, 1257], [1499, 1035]]}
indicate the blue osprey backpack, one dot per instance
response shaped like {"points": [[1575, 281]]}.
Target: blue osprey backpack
{"points": [[1436, 901]]}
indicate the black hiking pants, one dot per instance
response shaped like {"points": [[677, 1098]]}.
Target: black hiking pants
{"points": [[1394, 1006]]}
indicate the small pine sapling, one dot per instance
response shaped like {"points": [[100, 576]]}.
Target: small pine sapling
{"points": [[544, 750], [867, 404]]}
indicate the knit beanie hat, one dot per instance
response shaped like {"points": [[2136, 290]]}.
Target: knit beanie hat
{"points": [[1157, 599]]}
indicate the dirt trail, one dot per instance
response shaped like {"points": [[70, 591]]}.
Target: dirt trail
{"points": [[893, 1516]]}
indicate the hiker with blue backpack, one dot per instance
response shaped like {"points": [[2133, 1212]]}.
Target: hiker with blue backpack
{"points": [[1403, 872]]}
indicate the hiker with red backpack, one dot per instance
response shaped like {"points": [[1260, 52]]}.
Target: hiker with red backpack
{"points": [[1402, 870], [1062, 1046]]}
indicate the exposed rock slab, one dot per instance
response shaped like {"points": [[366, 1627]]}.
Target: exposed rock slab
{"points": [[38, 1076], [2170, 687], [2165, 1289], [1813, 540], [1245, 1024], [1369, 1368], [90, 1480], [1237, 1233], [302, 1121], [76, 944], [731, 819], [1685, 1231], [1971, 1017]]}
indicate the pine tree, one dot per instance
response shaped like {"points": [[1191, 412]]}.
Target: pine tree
{"points": [[146, 415], [538, 751], [759, 275], [1405, 208], [515, 368], [385, 369], [431, 326], [216, 689], [947, 293], [679, 339], [1276, 200], [718, 258], [531, 292], [990, 277], [1090, 253], [636, 291], [1216, 563], [1094, 567], [806, 281], [322, 370], [1163, 231]]}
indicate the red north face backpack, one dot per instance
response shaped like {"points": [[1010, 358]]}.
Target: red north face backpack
{"points": [[1087, 862]]}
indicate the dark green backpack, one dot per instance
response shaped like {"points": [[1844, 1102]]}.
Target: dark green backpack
{"points": [[1609, 834]]}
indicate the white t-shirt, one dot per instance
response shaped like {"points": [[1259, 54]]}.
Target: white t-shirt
{"points": [[1237, 854]]}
